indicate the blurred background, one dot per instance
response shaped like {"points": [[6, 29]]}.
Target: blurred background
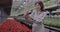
{"points": [[18, 7]]}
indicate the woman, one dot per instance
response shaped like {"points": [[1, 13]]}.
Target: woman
{"points": [[38, 16]]}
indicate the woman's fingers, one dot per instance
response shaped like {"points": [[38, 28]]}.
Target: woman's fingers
{"points": [[26, 13]]}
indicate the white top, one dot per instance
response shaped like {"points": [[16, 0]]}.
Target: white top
{"points": [[38, 16]]}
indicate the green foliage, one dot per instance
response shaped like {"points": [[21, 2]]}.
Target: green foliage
{"points": [[46, 0], [52, 21]]}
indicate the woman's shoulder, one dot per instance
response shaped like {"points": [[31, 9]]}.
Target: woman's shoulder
{"points": [[33, 11], [45, 12]]}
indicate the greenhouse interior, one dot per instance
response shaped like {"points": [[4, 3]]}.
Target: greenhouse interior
{"points": [[12, 19]]}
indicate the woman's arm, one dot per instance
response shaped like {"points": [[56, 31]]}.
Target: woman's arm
{"points": [[27, 16], [41, 18]]}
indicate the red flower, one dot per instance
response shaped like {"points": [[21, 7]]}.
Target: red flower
{"points": [[13, 26]]}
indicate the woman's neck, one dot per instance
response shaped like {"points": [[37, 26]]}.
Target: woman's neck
{"points": [[38, 10]]}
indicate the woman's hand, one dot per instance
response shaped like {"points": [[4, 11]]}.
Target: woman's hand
{"points": [[26, 15]]}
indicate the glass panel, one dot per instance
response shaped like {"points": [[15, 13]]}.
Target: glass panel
{"points": [[48, 3], [20, 6]]}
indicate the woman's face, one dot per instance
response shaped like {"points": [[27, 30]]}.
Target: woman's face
{"points": [[38, 7]]}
